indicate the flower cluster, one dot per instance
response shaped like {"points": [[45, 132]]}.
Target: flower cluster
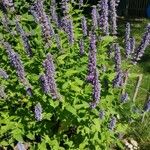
{"points": [[113, 16], [103, 19], [38, 112], [38, 12], [117, 57], [92, 58], [24, 38], [101, 114], [139, 51], [48, 80], [3, 74], [147, 106], [132, 44], [8, 4], [15, 61], [65, 7], [112, 123], [94, 17], [54, 15], [81, 46], [84, 26], [57, 38], [118, 81], [127, 41], [124, 97], [2, 92]]}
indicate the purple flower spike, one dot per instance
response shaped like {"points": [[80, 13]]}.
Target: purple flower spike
{"points": [[127, 40], [124, 97], [54, 15], [8, 4], [103, 8], [15, 62], [84, 26], [94, 17], [147, 106], [2, 92], [70, 32], [3, 74], [24, 39], [50, 78], [38, 112], [65, 7], [97, 88], [132, 44], [57, 38], [112, 123], [81, 46], [44, 83], [37, 10], [92, 58], [139, 51], [113, 16], [117, 57], [101, 114], [118, 81]]}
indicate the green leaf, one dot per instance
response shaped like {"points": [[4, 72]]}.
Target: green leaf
{"points": [[71, 109], [30, 136]]}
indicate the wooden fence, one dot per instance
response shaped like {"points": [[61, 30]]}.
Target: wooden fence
{"points": [[133, 7]]}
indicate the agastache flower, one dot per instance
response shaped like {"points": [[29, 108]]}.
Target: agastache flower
{"points": [[37, 10], [70, 32], [112, 123], [101, 114], [94, 17], [50, 76], [103, 8], [127, 40], [8, 4], [15, 62], [139, 51], [20, 146], [38, 112], [3, 74], [92, 58], [84, 26], [132, 44], [24, 38], [113, 16], [124, 97], [118, 80], [54, 15], [57, 38], [117, 57], [44, 83], [147, 106], [81, 46], [65, 7], [97, 88], [2, 92]]}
